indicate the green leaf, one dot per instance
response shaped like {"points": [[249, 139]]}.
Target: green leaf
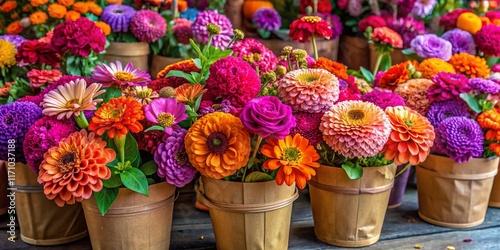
{"points": [[352, 22], [112, 182], [179, 73], [366, 74], [407, 51], [156, 127], [129, 38], [135, 180], [131, 149], [197, 63], [354, 171], [151, 181], [196, 48], [264, 33], [156, 47], [149, 168], [109, 94], [258, 177], [105, 198], [385, 64], [471, 101]]}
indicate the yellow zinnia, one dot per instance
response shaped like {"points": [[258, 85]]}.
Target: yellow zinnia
{"points": [[8, 55]]}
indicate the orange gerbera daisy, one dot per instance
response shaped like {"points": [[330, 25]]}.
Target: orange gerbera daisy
{"points": [[294, 157], [336, 68], [470, 65], [218, 145], [411, 138], [186, 66], [75, 168], [118, 116], [428, 68], [38, 17], [57, 11], [188, 93], [395, 75]]}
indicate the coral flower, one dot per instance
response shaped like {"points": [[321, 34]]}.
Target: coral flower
{"points": [[307, 26], [70, 99], [188, 93], [336, 68], [8, 6], [294, 158], [431, 66], [218, 145], [115, 73], [118, 116], [414, 92], [489, 119], [355, 128], [39, 78], [309, 90], [14, 28], [166, 112], [411, 137], [387, 36], [470, 65], [395, 75], [71, 171]]}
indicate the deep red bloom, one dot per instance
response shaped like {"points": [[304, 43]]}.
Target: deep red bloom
{"points": [[79, 37], [449, 21], [324, 6], [342, 4], [35, 52], [372, 21], [303, 28]]}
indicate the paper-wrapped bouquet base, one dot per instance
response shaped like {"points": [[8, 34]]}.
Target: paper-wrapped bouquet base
{"points": [[495, 192]]}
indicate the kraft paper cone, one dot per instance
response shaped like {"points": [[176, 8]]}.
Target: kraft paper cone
{"points": [[326, 48], [4, 202], [249, 216], [350, 213], [397, 56], [41, 221], [354, 52], [134, 221], [452, 194], [158, 63], [136, 53], [495, 193]]}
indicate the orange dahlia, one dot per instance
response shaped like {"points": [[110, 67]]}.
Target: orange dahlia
{"points": [[355, 128], [336, 68], [428, 68], [411, 138], [188, 93], [66, 3], [38, 17], [106, 29], [118, 116], [186, 66], [414, 92], [470, 65], [395, 75], [75, 168], [218, 145], [294, 157]]}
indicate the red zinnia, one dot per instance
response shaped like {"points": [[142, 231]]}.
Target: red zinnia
{"points": [[371, 21], [387, 36], [35, 52], [305, 27], [324, 6]]}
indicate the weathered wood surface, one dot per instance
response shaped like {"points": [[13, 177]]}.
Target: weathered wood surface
{"points": [[403, 229]]}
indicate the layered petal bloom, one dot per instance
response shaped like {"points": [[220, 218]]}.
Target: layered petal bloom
{"points": [[439, 111], [470, 65], [307, 125], [74, 169], [414, 92], [267, 19], [422, 8], [484, 86], [118, 17], [294, 158], [166, 112], [460, 138], [461, 41], [395, 75], [8, 56], [250, 46], [383, 99], [144, 95], [447, 86], [201, 34], [80, 37], [336, 68], [70, 99], [148, 26], [116, 74], [431, 46], [305, 27], [387, 36], [487, 40], [39, 78], [430, 67], [188, 93], [411, 137], [355, 128], [218, 145]]}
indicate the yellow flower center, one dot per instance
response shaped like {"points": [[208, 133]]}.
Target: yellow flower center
{"points": [[70, 103], [409, 122], [124, 76], [143, 92], [112, 113], [356, 114], [308, 78], [166, 119], [311, 19], [67, 162], [292, 155]]}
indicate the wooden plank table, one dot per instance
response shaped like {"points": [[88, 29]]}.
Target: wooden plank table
{"points": [[402, 229]]}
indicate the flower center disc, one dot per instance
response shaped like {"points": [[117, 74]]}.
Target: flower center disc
{"points": [[311, 19], [124, 76], [144, 92], [113, 113], [409, 122], [308, 78], [166, 119], [70, 103], [217, 143], [67, 162], [292, 155], [356, 114]]}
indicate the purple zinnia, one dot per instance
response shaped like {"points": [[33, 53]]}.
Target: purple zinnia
{"points": [[248, 46], [268, 116], [118, 17], [172, 160], [307, 125], [461, 41], [484, 86], [423, 8], [15, 120], [383, 99], [267, 19], [460, 138], [17, 40], [201, 34], [148, 26], [447, 86], [166, 112], [334, 22], [431, 46], [439, 111], [42, 135], [408, 28]]}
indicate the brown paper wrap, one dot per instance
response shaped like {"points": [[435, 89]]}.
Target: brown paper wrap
{"points": [[495, 192], [354, 52], [158, 63], [397, 56], [41, 221], [134, 221], [136, 53], [4, 202], [249, 216], [454, 194], [326, 48], [350, 213]]}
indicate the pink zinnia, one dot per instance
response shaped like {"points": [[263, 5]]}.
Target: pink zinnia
{"points": [[447, 86], [182, 30], [268, 60], [39, 78], [148, 26], [387, 36], [166, 112]]}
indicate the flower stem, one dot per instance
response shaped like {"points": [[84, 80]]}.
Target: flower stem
{"points": [[120, 145], [208, 44], [377, 63], [403, 170], [315, 48], [81, 121], [252, 159]]}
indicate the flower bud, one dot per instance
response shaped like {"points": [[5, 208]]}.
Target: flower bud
{"points": [[213, 29], [167, 92]]}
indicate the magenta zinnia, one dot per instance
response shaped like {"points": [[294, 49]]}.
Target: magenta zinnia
{"points": [[148, 26], [116, 74], [166, 112]]}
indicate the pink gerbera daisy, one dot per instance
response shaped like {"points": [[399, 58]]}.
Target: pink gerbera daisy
{"points": [[116, 74]]}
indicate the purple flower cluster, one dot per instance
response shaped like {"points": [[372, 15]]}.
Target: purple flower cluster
{"points": [[335, 24], [148, 26], [267, 19], [439, 111], [460, 138], [42, 135], [431, 46], [461, 41], [447, 86], [484, 86], [172, 160], [201, 34], [307, 125], [118, 17], [422, 8], [17, 40], [408, 28], [207, 107], [15, 120], [268, 60], [383, 99], [268, 116]]}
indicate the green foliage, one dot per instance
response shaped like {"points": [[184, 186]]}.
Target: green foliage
{"points": [[367, 75], [264, 33], [353, 170], [149, 168], [105, 198], [386, 62], [258, 177], [135, 180]]}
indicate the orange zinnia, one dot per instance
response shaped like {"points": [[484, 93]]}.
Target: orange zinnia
{"points": [[395, 75], [489, 119], [75, 168], [66, 3], [431, 66], [118, 116], [72, 15], [495, 147], [8, 6], [27, 8], [336, 68], [186, 66], [36, 3], [57, 11], [38, 17], [81, 7], [106, 29], [218, 145], [294, 157], [94, 8], [14, 28], [411, 138], [470, 65], [187, 93]]}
